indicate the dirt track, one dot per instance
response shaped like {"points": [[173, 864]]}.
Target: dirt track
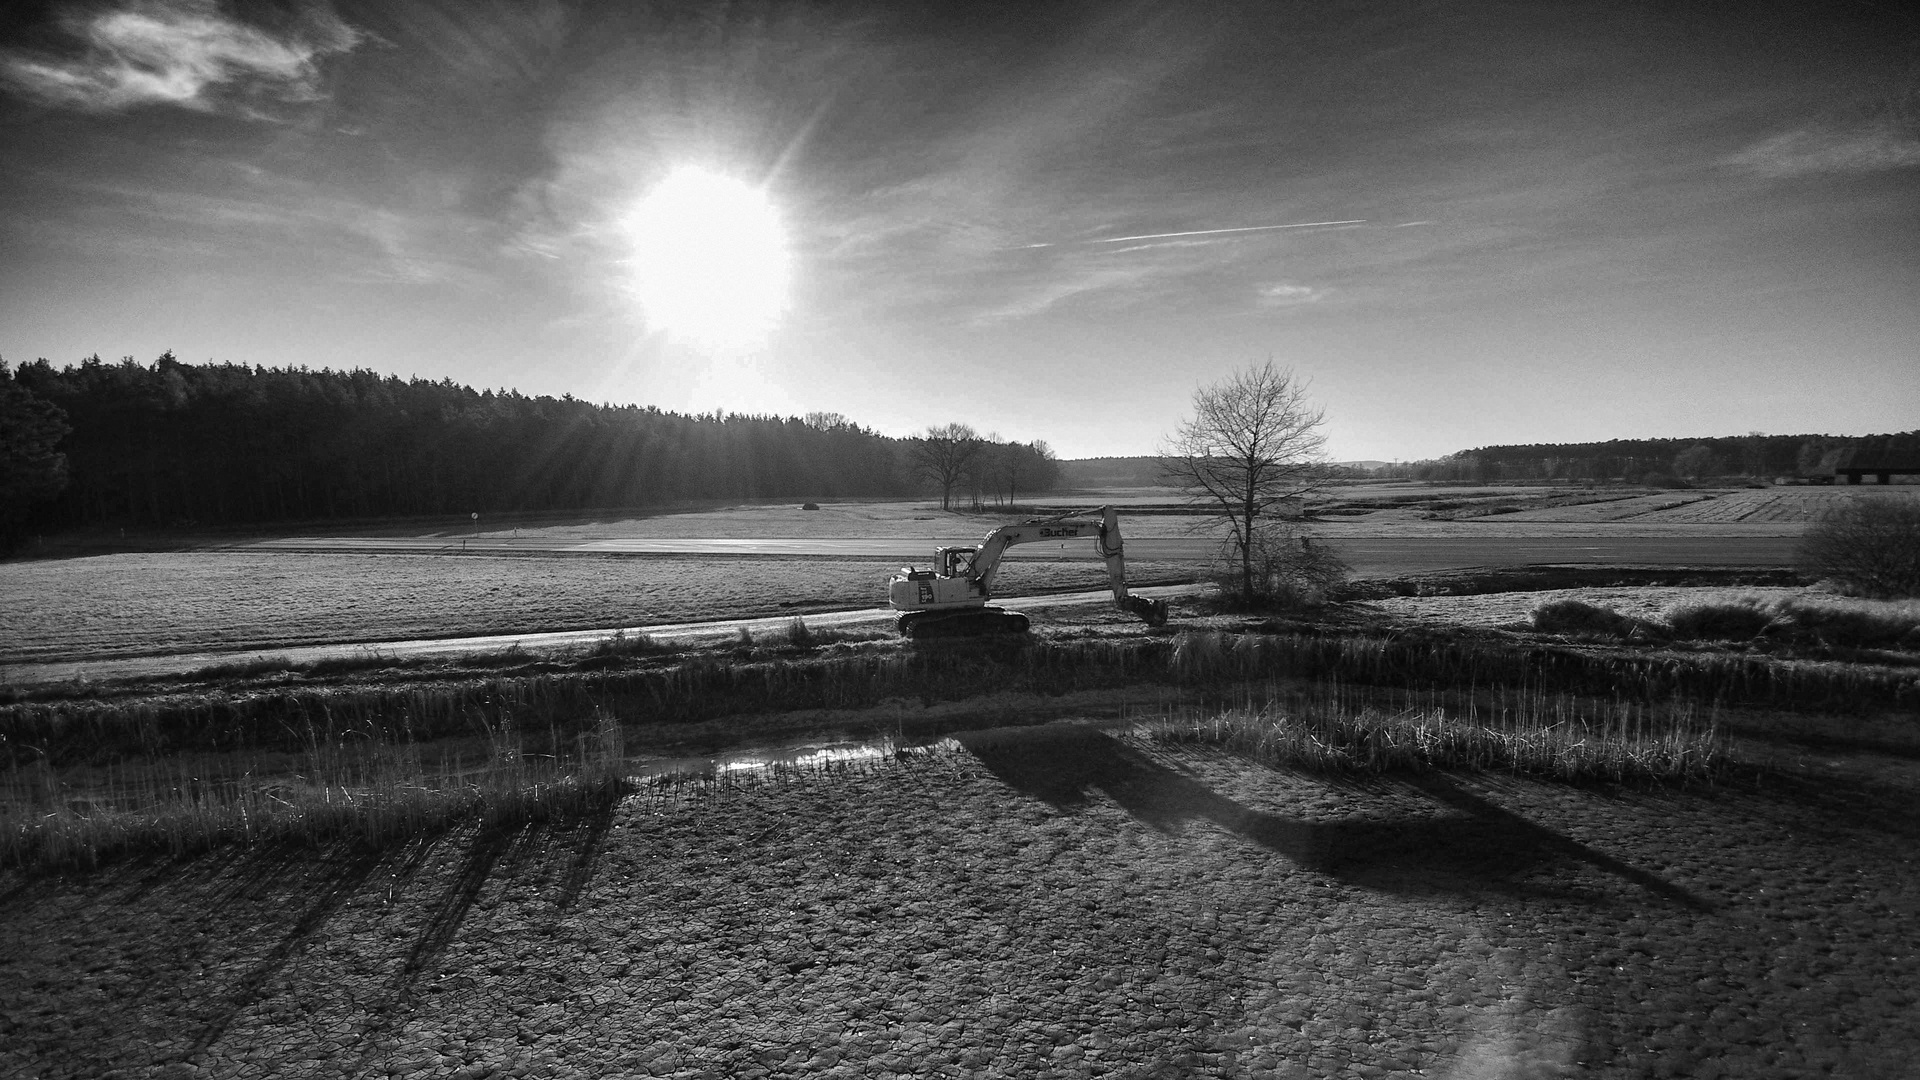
{"points": [[1027, 904]]}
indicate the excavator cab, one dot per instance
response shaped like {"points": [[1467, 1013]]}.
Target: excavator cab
{"points": [[958, 561]]}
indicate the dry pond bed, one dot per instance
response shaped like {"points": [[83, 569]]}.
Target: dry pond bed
{"points": [[1058, 901]]}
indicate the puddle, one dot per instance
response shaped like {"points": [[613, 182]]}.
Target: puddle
{"points": [[767, 760], [816, 754], [354, 771]]}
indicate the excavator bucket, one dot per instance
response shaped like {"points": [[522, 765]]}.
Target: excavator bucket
{"points": [[1154, 612]]}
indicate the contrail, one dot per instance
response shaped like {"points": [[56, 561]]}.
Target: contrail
{"points": [[1210, 232]]}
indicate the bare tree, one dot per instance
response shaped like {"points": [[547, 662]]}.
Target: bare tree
{"points": [[945, 455], [1869, 547], [1029, 466], [1253, 445]]}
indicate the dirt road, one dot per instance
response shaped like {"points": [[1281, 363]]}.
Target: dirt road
{"points": [[686, 633]]}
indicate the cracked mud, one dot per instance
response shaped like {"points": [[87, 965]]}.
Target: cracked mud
{"points": [[1038, 902]]}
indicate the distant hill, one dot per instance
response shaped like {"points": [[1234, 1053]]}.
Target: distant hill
{"points": [[1103, 472], [1654, 461], [1755, 455]]}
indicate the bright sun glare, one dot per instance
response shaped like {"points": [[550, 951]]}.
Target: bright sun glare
{"points": [[709, 260]]}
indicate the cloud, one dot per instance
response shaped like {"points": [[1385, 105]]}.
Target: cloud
{"points": [[1211, 232], [186, 53], [1281, 294], [1821, 151]]}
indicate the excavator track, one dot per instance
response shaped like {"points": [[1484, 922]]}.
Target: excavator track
{"points": [[972, 622]]}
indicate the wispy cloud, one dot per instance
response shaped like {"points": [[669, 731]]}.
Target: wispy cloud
{"points": [[1820, 150], [1283, 294], [186, 53], [1211, 232]]}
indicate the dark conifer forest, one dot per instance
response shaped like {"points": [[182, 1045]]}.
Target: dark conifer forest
{"points": [[171, 444]]}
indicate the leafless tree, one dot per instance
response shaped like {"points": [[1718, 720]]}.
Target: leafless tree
{"points": [[1025, 466], [945, 455], [1869, 547], [1253, 445]]}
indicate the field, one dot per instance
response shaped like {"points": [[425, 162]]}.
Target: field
{"points": [[1411, 835], [234, 596], [1045, 905], [144, 604], [1771, 505]]}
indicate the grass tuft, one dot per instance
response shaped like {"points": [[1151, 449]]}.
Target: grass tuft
{"points": [[371, 793], [1570, 616], [1841, 622], [1560, 737]]}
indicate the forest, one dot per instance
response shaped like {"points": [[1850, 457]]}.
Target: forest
{"points": [[1637, 461], [169, 444]]}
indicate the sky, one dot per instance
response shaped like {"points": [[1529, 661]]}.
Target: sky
{"points": [[1459, 223]]}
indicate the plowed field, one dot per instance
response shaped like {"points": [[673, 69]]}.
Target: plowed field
{"points": [[1031, 904]]}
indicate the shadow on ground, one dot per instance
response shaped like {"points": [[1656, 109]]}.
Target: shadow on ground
{"points": [[256, 912], [1468, 844]]}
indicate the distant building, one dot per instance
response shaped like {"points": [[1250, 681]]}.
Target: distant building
{"points": [[1882, 457]]}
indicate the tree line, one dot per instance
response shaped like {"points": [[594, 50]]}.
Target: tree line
{"points": [[957, 458], [169, 444], [1639, 461]]}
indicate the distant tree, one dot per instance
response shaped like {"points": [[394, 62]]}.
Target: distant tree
{"points": [[1252, 446], [1697, 461], [32, 469], [944, 455], [1018, 467], [1753, 454], [1812, 454]]}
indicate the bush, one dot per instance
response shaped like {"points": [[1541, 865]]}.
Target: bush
{"points": [[1719, 619], [1571, 616], [1870, 548], [1808, 620], [1861, 624], [1289, 570]]}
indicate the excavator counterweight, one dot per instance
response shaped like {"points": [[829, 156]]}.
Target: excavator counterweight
{"points": [[951, 598]]}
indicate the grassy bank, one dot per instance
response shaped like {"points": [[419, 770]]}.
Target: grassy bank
{"points": [[683, 689], [367, 793], [371, 762], [375, 793]]}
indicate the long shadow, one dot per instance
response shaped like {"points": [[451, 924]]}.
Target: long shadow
{"points": [[354, 869], [511, 846], [1849, 804], [1480, 846], [450, 911]]}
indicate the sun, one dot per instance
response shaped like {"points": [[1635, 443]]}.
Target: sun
{"points": [[709, 259]]}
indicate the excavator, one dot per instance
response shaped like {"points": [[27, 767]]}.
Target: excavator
{"points": [[950, 600]]}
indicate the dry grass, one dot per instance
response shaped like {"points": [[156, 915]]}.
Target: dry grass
{"points": [[359, 791], [1554, 736], [1846, 622], [1644, 603]]}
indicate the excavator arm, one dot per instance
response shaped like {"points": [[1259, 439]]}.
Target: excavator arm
{"points": [[984, 563]]}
